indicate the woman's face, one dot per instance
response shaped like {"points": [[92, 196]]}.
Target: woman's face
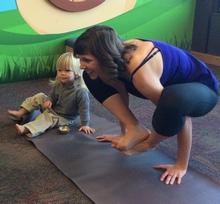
{"points": [[90, 65]]}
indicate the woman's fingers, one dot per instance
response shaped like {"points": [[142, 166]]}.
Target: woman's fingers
{"points": [[106, 138], [173, 179], [172, 173], [164, 175], [179, 179]]}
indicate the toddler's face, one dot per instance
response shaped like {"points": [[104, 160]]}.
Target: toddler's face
{"points": [[65, 75]]}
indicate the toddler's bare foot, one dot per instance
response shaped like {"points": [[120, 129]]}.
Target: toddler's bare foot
{"points": [[21, 130], [15, 115]]}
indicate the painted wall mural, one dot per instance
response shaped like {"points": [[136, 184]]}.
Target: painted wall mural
{"points": [[59, 16], [33, 35]]}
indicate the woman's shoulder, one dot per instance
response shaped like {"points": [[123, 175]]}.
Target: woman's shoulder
{"points": [[131, 41], [138, 42], [142, 49]]}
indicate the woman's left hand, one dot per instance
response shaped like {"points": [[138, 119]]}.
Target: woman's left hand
{"points": [[172, 173], [87, 129]]}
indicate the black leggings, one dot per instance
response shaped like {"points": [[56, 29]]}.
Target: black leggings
{"points": [[176, 102]]}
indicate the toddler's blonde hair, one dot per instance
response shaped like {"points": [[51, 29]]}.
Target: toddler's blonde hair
{"points": [[68, 61]]}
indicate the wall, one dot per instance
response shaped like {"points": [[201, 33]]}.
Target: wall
{"points": [[206, 31], [24, 54]]}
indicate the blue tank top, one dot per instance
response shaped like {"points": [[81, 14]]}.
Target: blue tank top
{"points": [[179, 66]]}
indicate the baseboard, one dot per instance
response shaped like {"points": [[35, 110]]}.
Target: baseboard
{"points": [[207, 58]]}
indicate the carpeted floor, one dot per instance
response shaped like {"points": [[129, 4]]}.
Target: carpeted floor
{"points": [[26, 176]]}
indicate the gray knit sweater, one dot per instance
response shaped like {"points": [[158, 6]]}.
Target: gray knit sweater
{"points": [[71, 100]]}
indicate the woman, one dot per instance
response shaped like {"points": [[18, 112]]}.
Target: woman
{"points": [[178, 84]]}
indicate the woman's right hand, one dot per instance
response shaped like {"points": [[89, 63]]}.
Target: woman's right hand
{"points": [[172, 173], [131, 138], [47, 104]]}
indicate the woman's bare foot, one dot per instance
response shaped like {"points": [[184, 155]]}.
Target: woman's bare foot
{"points": [[149, 143], [127, 141], [143, 146], [21, 130]]}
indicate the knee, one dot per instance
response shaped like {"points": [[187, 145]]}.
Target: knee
{"points": [[168, 118], [170, 101], [169, 125], [39, 99], [40, 95]]}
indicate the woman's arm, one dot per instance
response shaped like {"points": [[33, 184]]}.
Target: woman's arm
{"points": [[134, 132], [147, 82], [175, 172], [112, 95], [119, 86], [184, 139]]}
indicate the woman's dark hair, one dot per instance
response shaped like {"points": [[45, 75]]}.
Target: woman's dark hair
{"points": [[103, 43]]}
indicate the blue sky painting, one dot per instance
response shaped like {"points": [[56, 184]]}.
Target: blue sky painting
{"points": [[6, 5]]}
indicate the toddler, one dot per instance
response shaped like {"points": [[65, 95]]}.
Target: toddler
{"points": [[67, 101]]}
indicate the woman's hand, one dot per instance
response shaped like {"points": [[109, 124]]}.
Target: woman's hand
{"points": [[87, 129], [127, 141], [172, 173], [107, 138], [47, 104], [113, 139]]}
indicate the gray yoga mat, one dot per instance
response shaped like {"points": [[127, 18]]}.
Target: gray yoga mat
{"points": [[108, 177]]}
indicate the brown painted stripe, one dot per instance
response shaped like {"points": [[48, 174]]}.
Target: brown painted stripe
{"points": [[76, 5]]}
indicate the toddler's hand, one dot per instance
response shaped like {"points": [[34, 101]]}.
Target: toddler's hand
{"points": [[87, 129], [47, 104]]}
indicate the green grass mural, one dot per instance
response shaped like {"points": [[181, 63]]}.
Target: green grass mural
{"points": [[24, 54]]}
